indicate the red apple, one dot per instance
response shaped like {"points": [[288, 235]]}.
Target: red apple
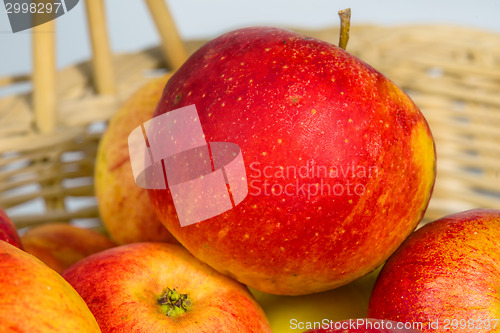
{"points": [[8, 231], [34, 298], [59, 245], [445, 275], [339, 161], [160, 287], [365, 326]]}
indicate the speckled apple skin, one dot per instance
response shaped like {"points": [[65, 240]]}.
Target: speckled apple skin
{"points": [[122, 286], [34, 298], [8, 231], [449, 269], [291, 101]]}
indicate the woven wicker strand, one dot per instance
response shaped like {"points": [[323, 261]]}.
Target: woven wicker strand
{"points": [[452, 73]]}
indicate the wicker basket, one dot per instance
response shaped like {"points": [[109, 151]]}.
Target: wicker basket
{"points": [[48, 138]]}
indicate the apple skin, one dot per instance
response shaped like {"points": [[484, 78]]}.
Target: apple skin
{"points": [[124, 207], [364, 326], [290, 101], [60, 245], [8, 231], [448, 269], [122, 286], [35, 298]]}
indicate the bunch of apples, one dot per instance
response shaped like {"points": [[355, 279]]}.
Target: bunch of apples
{"points": [[340, 166]]}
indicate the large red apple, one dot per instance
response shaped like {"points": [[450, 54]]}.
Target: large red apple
{"points": [[160, 287], [362, 325], [445, 275], [8, 231], [34, 298], [339, 161]]}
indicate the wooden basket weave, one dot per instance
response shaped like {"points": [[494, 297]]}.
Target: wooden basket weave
{"points": [[48, 138]]}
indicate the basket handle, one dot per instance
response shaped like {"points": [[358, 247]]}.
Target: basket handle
{"points": [[44, 65], [44, 60], [44, 77], [173, 47], [102, 63]]}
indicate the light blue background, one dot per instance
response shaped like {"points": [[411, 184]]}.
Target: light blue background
{"points": [[131, 28]]}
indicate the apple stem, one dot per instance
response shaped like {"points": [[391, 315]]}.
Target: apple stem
{"points": [[173, 303], [345, 24]]}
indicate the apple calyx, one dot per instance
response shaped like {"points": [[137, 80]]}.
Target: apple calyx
{"points": [[174, 303]]}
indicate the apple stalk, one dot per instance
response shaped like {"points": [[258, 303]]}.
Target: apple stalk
{"points": [[345, 24]]}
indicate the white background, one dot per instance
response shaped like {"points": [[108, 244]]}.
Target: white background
{"points": [[131, 28]]}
